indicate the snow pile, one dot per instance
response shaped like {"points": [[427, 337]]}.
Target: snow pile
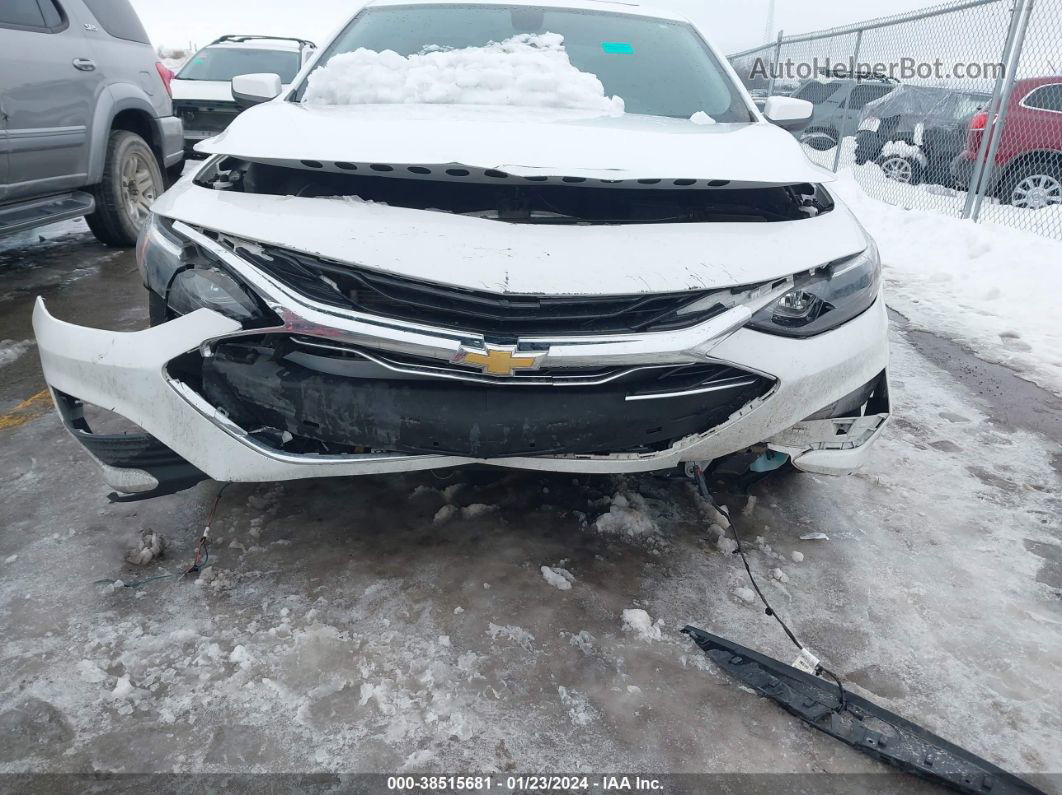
{"points": [[580, 713], [904, 149], [11, 350], [626, 517], [641, 624], [529, 70], [559, 578], [992, 288]]}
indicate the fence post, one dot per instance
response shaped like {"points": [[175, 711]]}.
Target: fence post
{"points": [[774, 63], [1004, 103], [844, 125], [992, 110]]}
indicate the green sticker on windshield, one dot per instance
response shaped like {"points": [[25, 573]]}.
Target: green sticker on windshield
{"points": [[617, 48]]}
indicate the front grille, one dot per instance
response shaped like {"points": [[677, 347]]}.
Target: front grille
{"points": [[501, 315], [344, 402], [204, 115]]}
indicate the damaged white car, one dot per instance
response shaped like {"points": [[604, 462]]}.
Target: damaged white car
{"points": [[554, 235]]}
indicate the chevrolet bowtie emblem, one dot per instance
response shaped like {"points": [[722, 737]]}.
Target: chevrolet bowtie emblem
{"points": [[500, 360]]}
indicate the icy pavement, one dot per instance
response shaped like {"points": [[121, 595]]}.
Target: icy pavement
{"points": [[340, 629]]}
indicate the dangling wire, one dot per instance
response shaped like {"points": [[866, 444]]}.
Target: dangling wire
{"points": [[702, 487]]}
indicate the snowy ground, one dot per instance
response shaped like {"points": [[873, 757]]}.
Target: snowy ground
{"points": [[380, 624]]}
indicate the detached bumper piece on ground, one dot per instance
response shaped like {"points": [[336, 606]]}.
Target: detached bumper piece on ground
{"points": [[857, 722]]}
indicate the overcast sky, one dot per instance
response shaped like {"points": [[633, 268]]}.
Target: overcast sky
{"points": [[731, 24]]}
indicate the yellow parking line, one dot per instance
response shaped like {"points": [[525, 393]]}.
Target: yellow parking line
{"points": [[28, 410]]}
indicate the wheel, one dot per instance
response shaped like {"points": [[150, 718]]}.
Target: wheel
{"points": [[901, 169], [1034, 186], [132, 180], [819, 140]]}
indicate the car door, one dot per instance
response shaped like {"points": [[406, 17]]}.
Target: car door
{"points": [[49, 86]]}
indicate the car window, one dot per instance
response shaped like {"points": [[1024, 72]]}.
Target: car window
{"points": [[861, 95], [968, 105], [816, 92], [1045, 98], [119, 19], [224, 63], [53, 17], [658, 67], [30, 14]]}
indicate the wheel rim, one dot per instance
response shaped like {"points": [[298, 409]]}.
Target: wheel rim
{"points": [[138, 187], [1036, 192], [897, 169]]}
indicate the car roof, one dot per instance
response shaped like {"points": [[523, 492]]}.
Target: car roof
{"points": [[614, 6], [258, 44], [1027, 84]]}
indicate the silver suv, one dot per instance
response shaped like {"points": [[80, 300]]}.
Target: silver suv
{"points": [[86, 118]]}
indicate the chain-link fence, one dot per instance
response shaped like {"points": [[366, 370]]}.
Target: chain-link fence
{"points": [[956, 108]]}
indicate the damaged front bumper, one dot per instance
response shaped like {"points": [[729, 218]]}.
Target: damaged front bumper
{"points": [[130, 373]]}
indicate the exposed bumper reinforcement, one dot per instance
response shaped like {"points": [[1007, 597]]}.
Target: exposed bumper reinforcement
{"points": [[859, 723]]}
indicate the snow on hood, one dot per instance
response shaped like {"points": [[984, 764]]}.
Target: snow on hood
{"points": [[519, 141], [530, 70]]}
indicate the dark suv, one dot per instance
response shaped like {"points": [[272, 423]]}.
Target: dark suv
{"points": [[86, 119], [916, 131]]}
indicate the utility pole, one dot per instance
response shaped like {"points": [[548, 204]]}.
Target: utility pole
{"points": [[768, 31]]}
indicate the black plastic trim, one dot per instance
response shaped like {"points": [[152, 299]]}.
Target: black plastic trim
{"points": [[860, 723]]}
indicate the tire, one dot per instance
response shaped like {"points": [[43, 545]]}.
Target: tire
{"points": [[1034, 185], [901, 169], [131, 180]]}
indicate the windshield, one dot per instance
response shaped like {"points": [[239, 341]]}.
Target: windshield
{"points": [[225, 63], [656, 67]]}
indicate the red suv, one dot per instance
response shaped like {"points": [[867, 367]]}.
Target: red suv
{"points": [[1028, 169]]}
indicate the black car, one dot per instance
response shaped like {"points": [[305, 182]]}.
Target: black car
{"points": [[915, 132]]}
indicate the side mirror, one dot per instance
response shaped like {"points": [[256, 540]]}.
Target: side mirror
{"points": [[255, 89], [788, 113]]}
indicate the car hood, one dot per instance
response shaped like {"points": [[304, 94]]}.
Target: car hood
{"points": [[525, 259], [518, 141]]}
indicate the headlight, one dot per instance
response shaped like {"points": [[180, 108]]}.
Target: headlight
{"points": [[199, 287], [823, 300], [158, 254], [189, 278]]}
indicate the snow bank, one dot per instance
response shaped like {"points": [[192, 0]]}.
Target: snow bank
{"points": [[531, 70], [992, 288], [904, 149]]}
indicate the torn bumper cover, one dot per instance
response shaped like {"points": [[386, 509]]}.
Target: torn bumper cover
{"points": [[857, 722], [132, 374]]}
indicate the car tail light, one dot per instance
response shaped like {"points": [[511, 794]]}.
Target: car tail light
{"points": [[167, 75], [979, 121]]}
